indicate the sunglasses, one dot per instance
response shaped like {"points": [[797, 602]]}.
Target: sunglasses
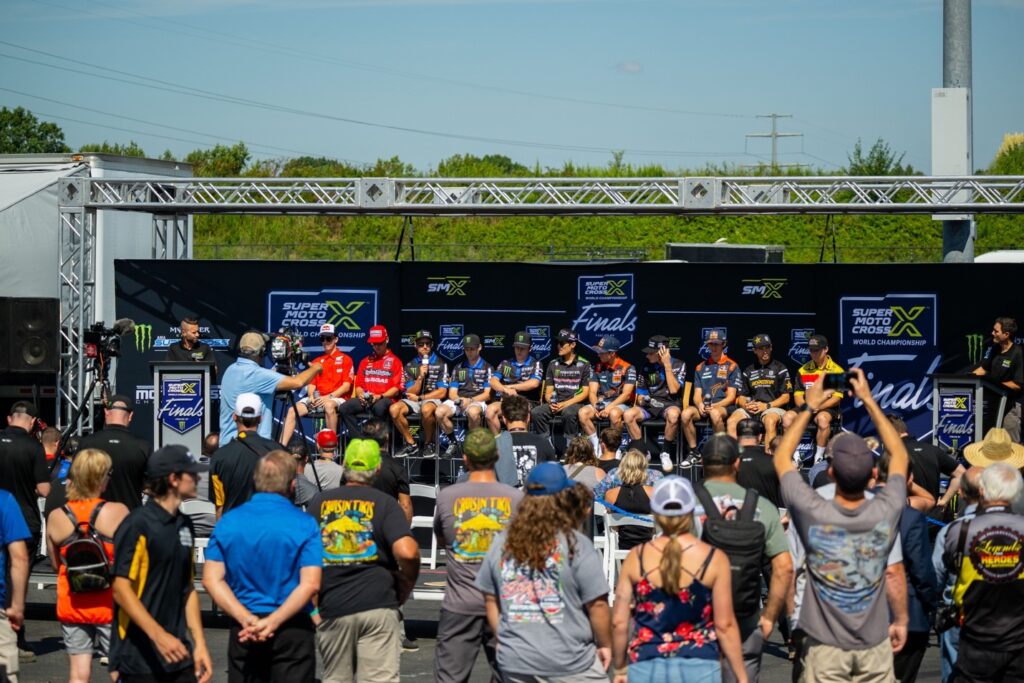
{"points": [[424, 343]]}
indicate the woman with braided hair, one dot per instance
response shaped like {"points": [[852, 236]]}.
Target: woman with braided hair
{"points": [[677, 591], [545, 589]]}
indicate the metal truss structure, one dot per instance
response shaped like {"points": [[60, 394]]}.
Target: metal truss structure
{"points": [[172, 200]]}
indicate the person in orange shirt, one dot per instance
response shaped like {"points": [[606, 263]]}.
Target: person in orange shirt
{"points": [[328, 390], [85, 617]]}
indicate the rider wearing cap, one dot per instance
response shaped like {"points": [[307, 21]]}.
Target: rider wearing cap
{"points": [[765, 387], [520, 375], [611, 390], [809, 373], [379, 381], [426, 386], [659, 393], [715, 384], [566, 388], [328, 390], [468, 391]]}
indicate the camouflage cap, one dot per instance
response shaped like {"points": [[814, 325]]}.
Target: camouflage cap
{"points": [[480, 447]]}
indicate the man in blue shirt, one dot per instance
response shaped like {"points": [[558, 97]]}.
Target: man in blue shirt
{"points": [[247, 375], [263, 567], [13, 535]]}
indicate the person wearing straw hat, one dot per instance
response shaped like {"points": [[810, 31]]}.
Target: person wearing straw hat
{"points": [[677, 592], [985, 555]]}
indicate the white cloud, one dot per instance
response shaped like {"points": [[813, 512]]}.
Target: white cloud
{"points": [[630, 67]]}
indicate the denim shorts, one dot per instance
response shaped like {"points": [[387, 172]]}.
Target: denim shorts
{"points": [[675, 669]]}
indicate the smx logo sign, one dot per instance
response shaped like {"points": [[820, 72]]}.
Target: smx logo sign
{"points": [[766, 288], [494, 341], [352, 312], [449, 285], [894, 320]]}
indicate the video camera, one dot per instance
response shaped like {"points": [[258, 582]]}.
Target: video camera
{"points": [[286, 350], [105, 342]]}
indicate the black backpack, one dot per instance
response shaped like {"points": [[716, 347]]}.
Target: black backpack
{"points": [[85, 558], [742, 540]]}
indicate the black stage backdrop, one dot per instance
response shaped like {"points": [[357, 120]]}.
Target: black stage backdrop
{"points": [[898, 322]]}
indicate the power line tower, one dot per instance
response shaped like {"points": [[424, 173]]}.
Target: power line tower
{"points": [[775, 134]]}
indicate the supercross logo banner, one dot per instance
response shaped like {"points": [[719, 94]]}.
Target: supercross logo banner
{"points": [[541, 335], [182, 408], [798, 350], [450, 346], [352, 312], [894, 339], [605, 305], [449, 285], [955, 427], [765, 288]]}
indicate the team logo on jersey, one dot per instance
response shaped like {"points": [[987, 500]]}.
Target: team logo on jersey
{"points": [[798, 350], [182, 405], [541, 340], [764, 288], [605, 305], [351, 311], [723, 332], [449, 285], [450, 344]]}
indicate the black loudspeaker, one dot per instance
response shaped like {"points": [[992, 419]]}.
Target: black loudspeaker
{"points": [[31, 339]]}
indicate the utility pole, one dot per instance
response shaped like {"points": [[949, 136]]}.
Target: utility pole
{"points": [[775, 134], [958, 233]]}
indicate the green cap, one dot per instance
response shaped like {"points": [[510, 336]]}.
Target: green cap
{"points": [[362, 455], [480, 446]]}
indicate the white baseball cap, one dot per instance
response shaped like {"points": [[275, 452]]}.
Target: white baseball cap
{"points": [[327, 328], [673, 497], [248, 405]]}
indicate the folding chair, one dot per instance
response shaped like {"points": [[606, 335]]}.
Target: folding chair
{"points": [[613, 522], [423, 491]]}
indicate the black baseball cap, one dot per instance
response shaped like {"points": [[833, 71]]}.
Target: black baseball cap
{"points": [[566, 335], [720, 449], [523, 338], [171, 459], [24, 407], [655, 343], [761, 340], [817, 342], [423, 334], [471, 340], [125, 403]]}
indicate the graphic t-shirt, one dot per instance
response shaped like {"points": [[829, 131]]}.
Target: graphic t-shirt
{"points": [[435, 377], [530, 450], [358, 526], [544, 628], [377, 375], [567, 378], [470, 380], [714, 379], [652, 380], [468, 517], [511, 371], [337, 369], [846, 554], [611, 379]]}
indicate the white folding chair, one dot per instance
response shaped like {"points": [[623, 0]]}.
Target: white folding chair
{"points": [[44, 547], [199, 547], [600, 537], [613, 522], [197, 506], [424, 521]]}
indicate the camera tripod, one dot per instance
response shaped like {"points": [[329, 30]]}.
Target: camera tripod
{"points": [[101, 368], [288, 402]]}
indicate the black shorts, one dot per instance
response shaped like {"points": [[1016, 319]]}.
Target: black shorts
{"points": [[655, 408]]}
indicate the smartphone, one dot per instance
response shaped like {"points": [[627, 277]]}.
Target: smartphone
{"points": [[836, 381]]}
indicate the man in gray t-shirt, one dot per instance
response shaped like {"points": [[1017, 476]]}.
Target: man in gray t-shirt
{"points": [[468, 516], [847, 542]]}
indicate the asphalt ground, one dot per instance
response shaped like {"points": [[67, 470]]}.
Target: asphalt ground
{"points": [[421, 616]]}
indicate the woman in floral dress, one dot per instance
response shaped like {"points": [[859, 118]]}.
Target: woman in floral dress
{"points": [[677, 592]]}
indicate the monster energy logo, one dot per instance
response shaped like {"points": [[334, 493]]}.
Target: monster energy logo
{"points": [[975, 346], [143, 338]]}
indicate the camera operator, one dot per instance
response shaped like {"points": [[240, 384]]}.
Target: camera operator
{"points": [[190, 348], [247, 375]]}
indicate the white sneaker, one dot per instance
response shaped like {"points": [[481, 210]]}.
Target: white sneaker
{"points": [[666, 462]]}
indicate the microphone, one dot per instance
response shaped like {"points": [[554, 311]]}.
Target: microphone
{"points": [[124, 326]]}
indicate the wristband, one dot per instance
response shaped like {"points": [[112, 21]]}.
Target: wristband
{"points": [[804, 408], [315, 612]]}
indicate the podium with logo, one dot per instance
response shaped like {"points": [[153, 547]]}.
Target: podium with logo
{"points": [[958, 407], [181, 404]]}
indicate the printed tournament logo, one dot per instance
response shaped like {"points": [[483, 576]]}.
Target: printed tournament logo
{"points": [[541, 335], [352, 312], [494, 341], [449, 285], [765, 288], [955, 426], [703, 351], [975, 347], [450, 344], [182, 408], [798, 350], [605, 304], [891, 321]]}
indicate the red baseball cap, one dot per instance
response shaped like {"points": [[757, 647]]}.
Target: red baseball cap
{"points": [[327, 439], [378, 334]]}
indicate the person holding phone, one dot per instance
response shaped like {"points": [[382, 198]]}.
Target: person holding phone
{"points": [[810, 372]]}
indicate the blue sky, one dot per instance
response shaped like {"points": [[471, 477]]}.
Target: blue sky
{"points": [[678, 83]]}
